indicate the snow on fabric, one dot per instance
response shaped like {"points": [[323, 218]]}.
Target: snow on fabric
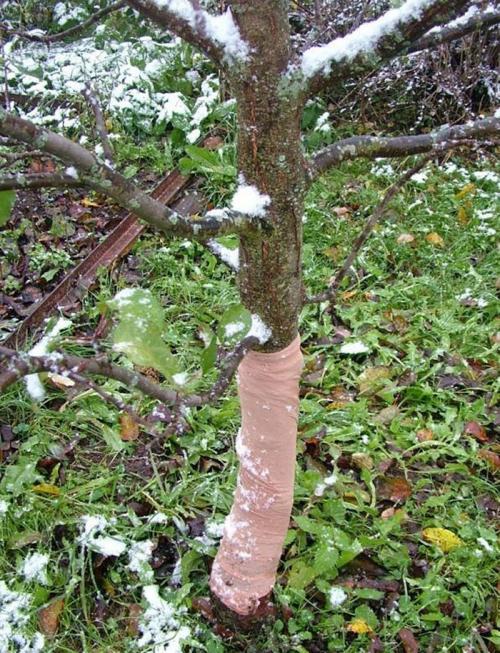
{"points": [[14, 617], [364, 39], [33, 384], [160, 627]]}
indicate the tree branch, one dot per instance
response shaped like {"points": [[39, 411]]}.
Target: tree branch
{"points": [[37, 180], [104, 179], [372, 147], [331, 293], [216, 36], [371, 44], [34, 35], [456, 30], [91, 96], [21, 365]]}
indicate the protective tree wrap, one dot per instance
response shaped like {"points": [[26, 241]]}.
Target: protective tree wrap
{"points": [[244, 569]]}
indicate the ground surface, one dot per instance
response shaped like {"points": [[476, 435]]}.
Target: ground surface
{"points": [[395, 438]]}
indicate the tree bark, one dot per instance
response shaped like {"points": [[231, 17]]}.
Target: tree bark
{"points": [[269, 157]]}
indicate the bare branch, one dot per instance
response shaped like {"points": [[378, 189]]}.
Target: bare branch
{"points": [[91, 96], [38, 180], [331, 293], [453, 32], [375, 42], [14, 157], [372, 147], [21, 365], [196, 26], [34, 35], [104, 179]]}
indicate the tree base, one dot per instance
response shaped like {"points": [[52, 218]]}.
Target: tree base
{"points": [[229, 623]]}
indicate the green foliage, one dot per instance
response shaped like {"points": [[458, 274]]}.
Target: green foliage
{"points": [[7, 199]]}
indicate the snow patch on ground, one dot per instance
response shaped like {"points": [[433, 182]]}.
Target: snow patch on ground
{"points": [[160, 627], [34, 568], [14, 618]]}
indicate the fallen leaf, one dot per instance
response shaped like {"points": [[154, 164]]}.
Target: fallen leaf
{"points": [[47, 488], [424, 435], [86, 202], [373, 379], [360, 627], [434, 239], [386, 415], [129, 429], [408, 640], [362, 460], [476, 431], [462, 216], [341, 211], [394, 488], [134, 614], [48, 618], [332, 252], [341, 397], [405, 239], [465, 190], [348, 294], [388, 513], [443, 538], [491, 457], [60, 381]]}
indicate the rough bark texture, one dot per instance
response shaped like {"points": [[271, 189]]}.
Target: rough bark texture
{"points": [[270, 157]]}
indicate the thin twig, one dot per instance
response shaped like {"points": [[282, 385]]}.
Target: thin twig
{"points": [[90, 95], [331, 294], [60, 36], [21, 181]]}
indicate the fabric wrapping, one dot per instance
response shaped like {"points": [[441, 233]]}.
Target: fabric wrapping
{"points": [[244, 569]]}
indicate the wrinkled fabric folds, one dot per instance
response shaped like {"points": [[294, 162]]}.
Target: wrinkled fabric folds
{"points": [[244, 569]]}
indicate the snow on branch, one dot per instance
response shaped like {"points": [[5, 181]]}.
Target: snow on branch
{"points": [[472, 20], [39, 37], [372, 147], [25, 365], [217, 36], [85, 168], [375, 41]]}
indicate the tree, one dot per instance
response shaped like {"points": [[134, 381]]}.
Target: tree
{"points": [[271, 82]]}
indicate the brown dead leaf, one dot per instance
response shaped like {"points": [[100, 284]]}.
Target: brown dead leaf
{"points": [[435, 239], [388, 513], [48, 618], [477, 431], [129, 429], [408, 640], [341, 397], [362, 460], [134, 614], [341, 211], [394, 488], [213, 142], [348, 294], [405, 239], [373, 379], [424, 435], [333, 253], [490, 457], [386, 415]]}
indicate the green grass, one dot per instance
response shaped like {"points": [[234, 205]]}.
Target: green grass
{"points": [[434, 359]]}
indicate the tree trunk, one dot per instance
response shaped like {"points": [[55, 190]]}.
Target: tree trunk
{"points": [[269, 157]]}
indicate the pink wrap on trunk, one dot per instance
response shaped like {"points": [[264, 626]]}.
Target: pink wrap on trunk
{"points": [[244, 569]]}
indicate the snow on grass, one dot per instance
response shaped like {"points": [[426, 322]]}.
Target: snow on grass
{"points": [[14, 618], [160, 627], [90, 528], [249, 200], [139, 556], [34, 568], [328, 481], [233, 328], [363, 40], [180, 378], [33, 384], [337, 596], [355, 347], [4, 507]]}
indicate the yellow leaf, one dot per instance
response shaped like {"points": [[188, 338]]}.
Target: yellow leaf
{"points": [[468, 188], [87, 202], [48, 617], [109, 124], [442, 537], [129, 429], [404, 239], [47, 488], [360, 627], [434, 239], [61, 382], [462, 215], [348, 294]]}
